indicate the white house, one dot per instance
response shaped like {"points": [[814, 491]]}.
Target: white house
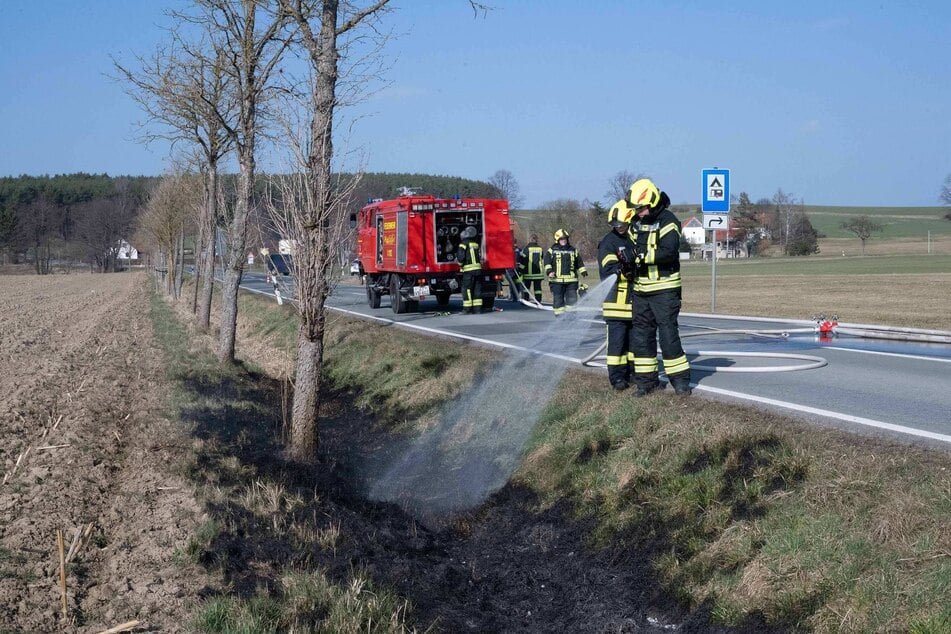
{"points": [[693, 231], [727, 245], [127, 251]]}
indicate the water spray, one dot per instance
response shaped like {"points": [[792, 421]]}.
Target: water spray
{"points": [[477, 440]]}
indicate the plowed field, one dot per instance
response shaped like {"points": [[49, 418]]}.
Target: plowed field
{"points": [[85, 450]]}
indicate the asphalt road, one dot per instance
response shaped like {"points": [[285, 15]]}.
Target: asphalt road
{"points": [[866, 385]]}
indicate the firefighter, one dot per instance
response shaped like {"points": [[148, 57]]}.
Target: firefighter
{"points": [[563, 265], [515, 276], [616, 257], [531, 266], [657, 290], [469, 258]]}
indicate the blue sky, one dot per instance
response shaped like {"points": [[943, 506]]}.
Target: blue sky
{"points": [[843, 103]]}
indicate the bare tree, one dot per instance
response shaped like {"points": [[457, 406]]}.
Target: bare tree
{"points": [[619, 184], [862, 227], [184, 88], [37, 225], [101, 226], [946, 190], [784, 206], [314, 203], [163, 223], [508, 187], [250, 37]]}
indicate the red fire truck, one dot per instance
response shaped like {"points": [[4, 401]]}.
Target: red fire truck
{"points": [[407, 247]]}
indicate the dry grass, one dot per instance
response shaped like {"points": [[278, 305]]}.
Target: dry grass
{"points": [[909, 300], [757, 513]]}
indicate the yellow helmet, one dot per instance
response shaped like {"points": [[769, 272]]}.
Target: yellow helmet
{"points": [[561, 233], [644, 192], [620, 214]]}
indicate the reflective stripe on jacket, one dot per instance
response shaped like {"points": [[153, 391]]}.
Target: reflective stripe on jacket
{"points": [[618, 302], [660, 244], [531, 264], [565, 261], [470, 256]]}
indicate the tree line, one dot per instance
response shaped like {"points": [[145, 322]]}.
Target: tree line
{"points": [[68, 220]]}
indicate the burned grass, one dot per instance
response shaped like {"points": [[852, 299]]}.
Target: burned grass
{"points": [[747, 515], [300, 545]]}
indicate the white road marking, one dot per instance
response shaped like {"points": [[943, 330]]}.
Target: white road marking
{"points": [[858, 420], [889, 354]]}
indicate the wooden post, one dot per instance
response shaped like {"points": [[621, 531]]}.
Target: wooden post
{"points": [[62, 570]]}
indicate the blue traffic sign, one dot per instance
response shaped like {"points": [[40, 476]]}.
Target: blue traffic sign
{"points": [[716, 191]]}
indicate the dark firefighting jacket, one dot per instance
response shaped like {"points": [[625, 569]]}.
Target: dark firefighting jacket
{"points": [[613, 250], [469, 256], [565, 262], [531, 264], [657, 239]]}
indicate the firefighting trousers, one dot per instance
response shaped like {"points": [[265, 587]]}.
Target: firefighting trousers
{"points": [[620, 354], [655, 317], [534, 287], [564, 295], [472, 290]]}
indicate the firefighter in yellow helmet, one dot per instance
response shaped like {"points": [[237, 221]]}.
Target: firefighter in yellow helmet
{"points": [[563, 265], [656, 232], [469, 258], [616, 258]]}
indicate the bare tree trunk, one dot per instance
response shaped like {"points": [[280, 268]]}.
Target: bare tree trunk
{"points": [[236, 246], [315, 226], [180, 264], [307, 383], [167, 272], [208, 224], [195, 292]]}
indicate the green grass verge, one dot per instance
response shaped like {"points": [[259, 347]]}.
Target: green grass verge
{"points": [[747, 511], [236, 434]]}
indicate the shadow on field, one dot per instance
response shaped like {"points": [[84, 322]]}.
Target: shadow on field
{"points": [[505, 567]]}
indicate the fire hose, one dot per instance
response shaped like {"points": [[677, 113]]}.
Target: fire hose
{"points": [[526, 297], [824, 328], [809, 362]]}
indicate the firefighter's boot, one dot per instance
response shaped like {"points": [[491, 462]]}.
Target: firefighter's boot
{"points": [[646, 383], [681, 383], [619, 376]]}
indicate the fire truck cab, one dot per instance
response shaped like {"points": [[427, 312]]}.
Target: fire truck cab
{"points": [[408, 247]]}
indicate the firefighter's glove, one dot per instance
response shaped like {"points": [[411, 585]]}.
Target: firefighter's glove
{"points": [[626, 262]]}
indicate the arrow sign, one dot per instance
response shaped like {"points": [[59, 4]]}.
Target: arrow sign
{"points": [[715, 221]]}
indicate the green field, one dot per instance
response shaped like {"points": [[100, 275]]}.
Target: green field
{"points": [[897, 222], [817, 266]]}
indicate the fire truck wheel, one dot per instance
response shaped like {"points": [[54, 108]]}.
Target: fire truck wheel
{"points": [[488, 303], [373, 296], [397, 303], [442, 298]]}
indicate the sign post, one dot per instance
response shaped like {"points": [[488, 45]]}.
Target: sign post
{"points": [[716, 215]]}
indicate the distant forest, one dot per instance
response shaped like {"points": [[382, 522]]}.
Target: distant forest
{"points": [[81, 219]]}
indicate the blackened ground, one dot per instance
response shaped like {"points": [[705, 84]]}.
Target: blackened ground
{"points": [[502, 568]]}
